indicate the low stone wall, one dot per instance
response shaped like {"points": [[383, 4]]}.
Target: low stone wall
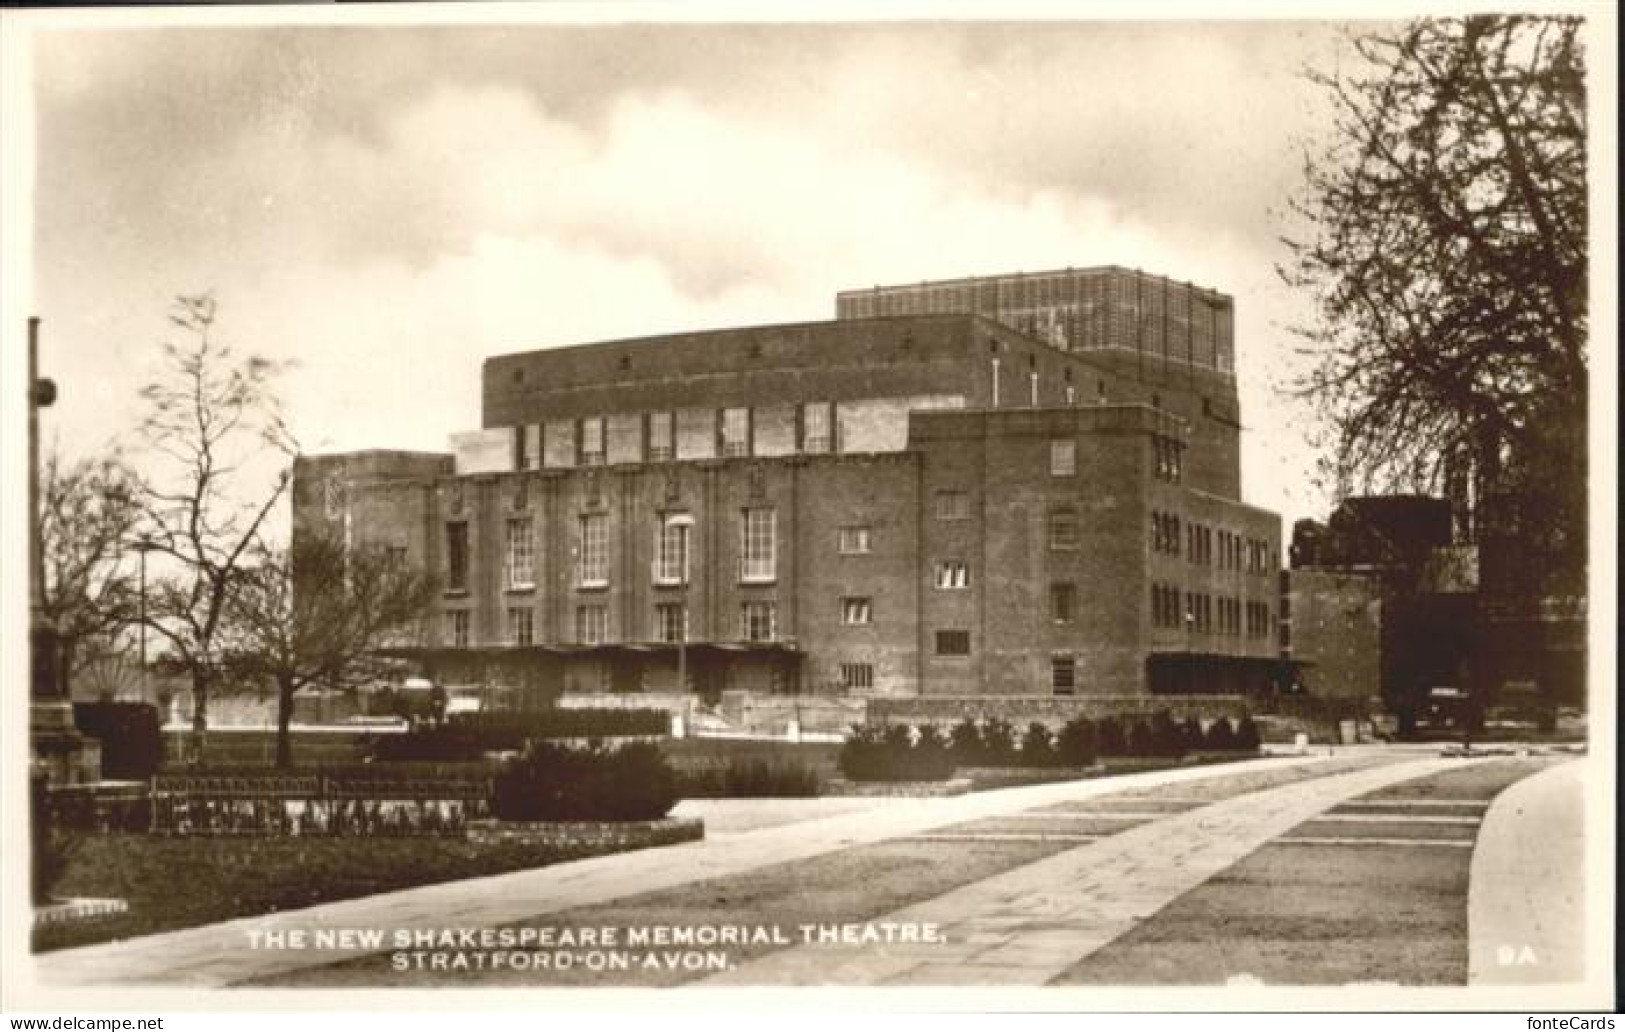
{"points": [[606, 836], [773, 714], [1051, 710], [1010, 777], [898, 789]]}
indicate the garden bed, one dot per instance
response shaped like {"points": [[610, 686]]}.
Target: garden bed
{"points": [[923, 789], [172, 883], [598, 836]]}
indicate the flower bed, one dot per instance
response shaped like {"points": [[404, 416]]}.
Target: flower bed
{"points": [[597, 836]]}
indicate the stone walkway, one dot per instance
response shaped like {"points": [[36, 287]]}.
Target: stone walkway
{"points": [[221, 954], [1026, 926], [1526, 901]]}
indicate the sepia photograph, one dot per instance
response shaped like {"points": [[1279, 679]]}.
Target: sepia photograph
{"points": [[1063, 507]]}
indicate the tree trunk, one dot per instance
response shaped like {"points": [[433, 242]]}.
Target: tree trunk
{"points": [[284, 718], [200, 715]]}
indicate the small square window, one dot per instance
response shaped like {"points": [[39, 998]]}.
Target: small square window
{"points": [[858, 677], [1063, 674], [855, 540], [953, 505], [1063, 458], [857, 612], [953, 643], [953, 574]]}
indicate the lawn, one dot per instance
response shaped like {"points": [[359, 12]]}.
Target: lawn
{"points": [[175, 883]]}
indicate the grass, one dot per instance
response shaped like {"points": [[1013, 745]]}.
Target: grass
{"points": [[173, 883]]}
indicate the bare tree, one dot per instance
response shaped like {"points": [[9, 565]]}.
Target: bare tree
{"points": [[315, 614], [212, 425], [1442, 234], [88, 513]]}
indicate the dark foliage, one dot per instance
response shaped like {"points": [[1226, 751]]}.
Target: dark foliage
{"points": [[747, 778], [1075, 745], [1221, 736], [130, 735], [1038, 746], [593, 783], [890, 753]]}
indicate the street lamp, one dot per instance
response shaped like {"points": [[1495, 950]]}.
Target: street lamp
{"points": [[143, 545], [681, 522]]}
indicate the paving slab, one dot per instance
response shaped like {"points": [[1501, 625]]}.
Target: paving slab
{"points": [[1057, 911]]}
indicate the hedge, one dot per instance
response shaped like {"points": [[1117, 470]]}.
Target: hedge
{"points": [[589, 783], [130, 734], [896, 753]]}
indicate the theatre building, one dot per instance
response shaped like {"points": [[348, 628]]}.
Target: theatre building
{"points": [[1023, 485]]}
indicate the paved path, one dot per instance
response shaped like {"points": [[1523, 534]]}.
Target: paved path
{"points": [[1029, 924], [1526, 902], [220, 954]]}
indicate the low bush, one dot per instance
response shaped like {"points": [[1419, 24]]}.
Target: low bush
{"points": [[1247, 736], [1110, 738], [590, 783], [130, 734], [1038, 746], [745, 778], [1221, 736], [1075, 746], [896, 753]]}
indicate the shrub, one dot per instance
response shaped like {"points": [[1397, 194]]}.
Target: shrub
{"points": [[743, 777], [1138, 740], [895, 753], [592, 783], [1038, 746], [1247, 736], [998, 742], [1165, 737], [1110, 739], [966, 743], [1221, 736], [1075, 745], [1191, 735], [130, 735]]}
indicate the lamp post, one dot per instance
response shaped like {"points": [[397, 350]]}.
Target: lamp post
{"points": [[681, 522], [143, 545]]}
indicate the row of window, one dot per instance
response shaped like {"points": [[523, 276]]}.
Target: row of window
{"points": [[1205, 614], [671, 564], [1206, 546], [758, 621], [586, 441]]}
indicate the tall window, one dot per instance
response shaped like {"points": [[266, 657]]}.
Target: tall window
{"points": [[457, 628], [594, 551], [815, 427], [1063, 602], [757, 546], [662, 437], [671, 552], [854, 540], [592, 441], [1063, 674], [953, 505], [1063, 458], [671, 621], [1063, 529], [857, 612], [953, 574], [521, 626], [456, 557], [592, 625], [758, 621], [519, 559], [953, 643], [735, 432]]}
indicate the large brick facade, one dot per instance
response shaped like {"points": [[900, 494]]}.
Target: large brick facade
{"points": [[901, 506]]}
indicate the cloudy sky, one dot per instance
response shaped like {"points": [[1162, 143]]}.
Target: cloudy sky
{"points": [[387, 205]]}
